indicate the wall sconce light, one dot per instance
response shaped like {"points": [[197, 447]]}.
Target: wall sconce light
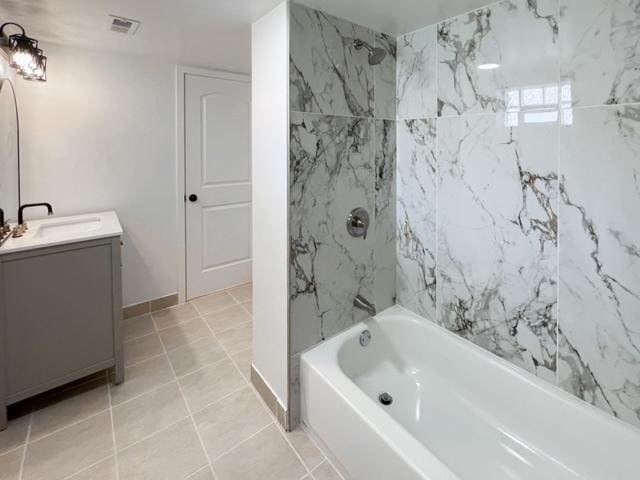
{"points": [[24, 54]]}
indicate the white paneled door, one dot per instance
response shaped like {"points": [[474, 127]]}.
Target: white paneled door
{"points": [[217, 183]]}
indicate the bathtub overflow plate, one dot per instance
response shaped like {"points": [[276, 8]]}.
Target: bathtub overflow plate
{"points": [[365, 338], [385, 399]]}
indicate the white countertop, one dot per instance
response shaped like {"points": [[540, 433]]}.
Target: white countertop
{"points": [[52, 231]]}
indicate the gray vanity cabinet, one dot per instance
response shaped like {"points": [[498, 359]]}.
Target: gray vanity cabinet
{"points": [[60, 317]]}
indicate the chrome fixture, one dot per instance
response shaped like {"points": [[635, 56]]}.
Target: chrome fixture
{"points": [[376, 55], [365, 338], [364, 304], [24, 54], [358, 222]]}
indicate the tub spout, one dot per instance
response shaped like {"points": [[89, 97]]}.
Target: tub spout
{"points": [[364, 304]]}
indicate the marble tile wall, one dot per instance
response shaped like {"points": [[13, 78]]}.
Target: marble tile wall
{"points": [[342, 156], [517, 188]]}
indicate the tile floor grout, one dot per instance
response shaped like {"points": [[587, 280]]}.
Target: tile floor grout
{"points": [[26, 443], [111, 408], [213, 470], [186, 403], [274, 420]]}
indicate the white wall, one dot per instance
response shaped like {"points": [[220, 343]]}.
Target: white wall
{"points": [[270, 152], [100, 135]]}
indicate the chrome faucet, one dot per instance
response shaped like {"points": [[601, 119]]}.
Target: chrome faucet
{"points": [[364, 304]]}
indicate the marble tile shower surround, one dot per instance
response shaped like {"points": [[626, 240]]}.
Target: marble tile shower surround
{"points": [[328, 75], [521, 236], [342, 156]]}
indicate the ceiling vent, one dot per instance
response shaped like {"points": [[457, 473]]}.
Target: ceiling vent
{"points": [[126, 26]]}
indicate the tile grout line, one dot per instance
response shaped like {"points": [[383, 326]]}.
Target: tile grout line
{"points": [[274, 419], [110, 408], [86, 469], [247, 382], [129, 400], [150, 435], [304, 428], [231, 449], [220, 343], [72, 424], [206, 467], [26, 444], [113, 433], [302, 462], [186, 403]]}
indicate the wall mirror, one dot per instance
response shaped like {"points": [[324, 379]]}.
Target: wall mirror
{"points": [[9, 151]]}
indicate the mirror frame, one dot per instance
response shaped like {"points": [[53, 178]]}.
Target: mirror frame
{"points": [[3, 82]]}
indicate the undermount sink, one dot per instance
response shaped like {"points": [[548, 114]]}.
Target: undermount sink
{"points": [[69, 228], [52, 231]]}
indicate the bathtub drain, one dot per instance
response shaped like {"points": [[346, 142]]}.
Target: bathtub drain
{"points": [[385, 399]]}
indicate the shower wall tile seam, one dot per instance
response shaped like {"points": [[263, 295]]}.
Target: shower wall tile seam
{"points": [[339, 115], [595, 112], [473, 10]]}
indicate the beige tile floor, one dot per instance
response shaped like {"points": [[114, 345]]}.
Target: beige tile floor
{"points": [[185, 411]]}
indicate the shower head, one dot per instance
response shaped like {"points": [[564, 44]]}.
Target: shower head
{"points": [[376, 55]]}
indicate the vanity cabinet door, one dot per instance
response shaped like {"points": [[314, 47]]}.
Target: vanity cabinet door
{"points": [[58, 313]]}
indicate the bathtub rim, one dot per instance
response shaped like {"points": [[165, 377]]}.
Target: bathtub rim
{"points": [[322, 359], [512, 369]]}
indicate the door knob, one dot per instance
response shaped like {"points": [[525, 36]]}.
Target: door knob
{"points": [[193, 197]]}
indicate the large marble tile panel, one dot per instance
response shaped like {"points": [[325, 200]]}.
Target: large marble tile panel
{"points": [[384, 78], [416, 216], [497, 237], [385, 214], [600, 259], [327, 74], [519, 35], [416, 79], [331, 173], [600, 52]]}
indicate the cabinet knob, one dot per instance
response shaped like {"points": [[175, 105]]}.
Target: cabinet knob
{"points": [[193, 197]]}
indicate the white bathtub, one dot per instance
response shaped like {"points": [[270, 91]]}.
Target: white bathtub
{"points": [[458, 412]]}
